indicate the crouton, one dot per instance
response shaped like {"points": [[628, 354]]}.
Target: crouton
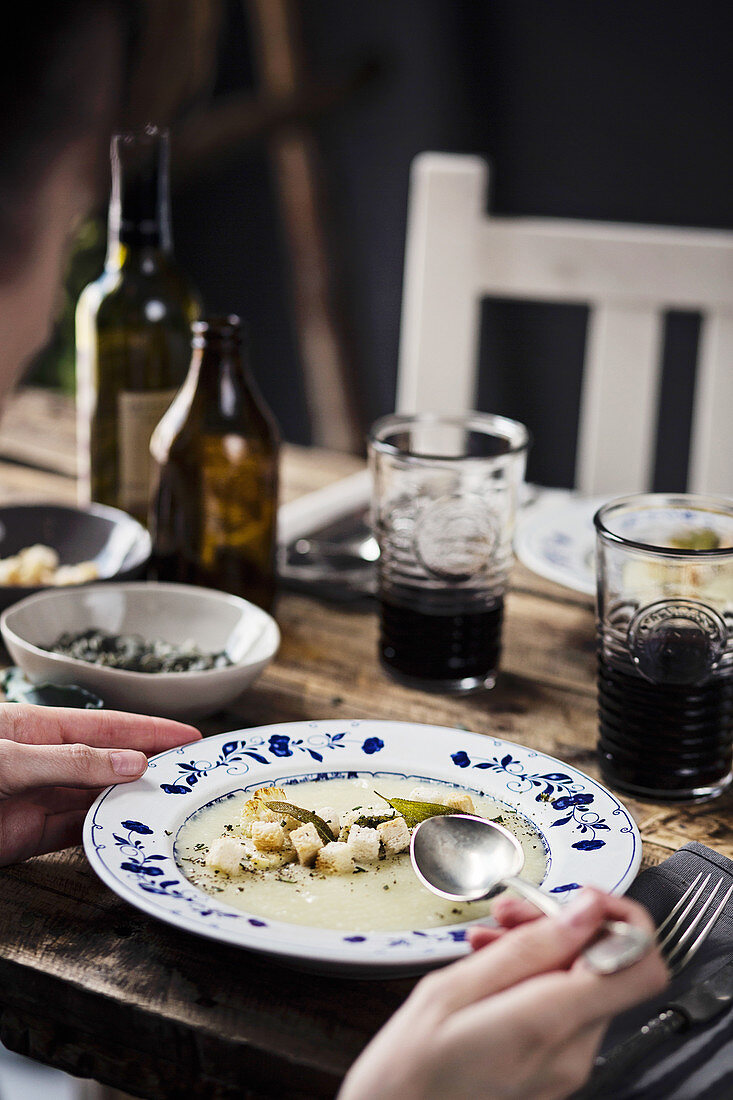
{"points": [[227, 854], [270, 861], [268, 836], [347, 821], [459, 800], [426, 794], [266, 861], [394, 835], [335, 859], [364, 844], [306, 843]]}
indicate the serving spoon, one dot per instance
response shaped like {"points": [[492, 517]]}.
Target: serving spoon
{"points": [[467, 858]]}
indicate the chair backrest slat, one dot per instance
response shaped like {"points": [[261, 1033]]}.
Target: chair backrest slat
{"points": [[440, 300], [563, 260], [619, 399], [711, 450]]}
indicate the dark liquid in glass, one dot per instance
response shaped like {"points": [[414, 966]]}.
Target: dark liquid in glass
{"points": [[666, 740], [421, 644]]}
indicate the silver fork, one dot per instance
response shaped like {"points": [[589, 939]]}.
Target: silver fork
{"points": [[675, 932]]}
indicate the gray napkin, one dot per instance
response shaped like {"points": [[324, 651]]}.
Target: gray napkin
{"points": [[698, 1064]]}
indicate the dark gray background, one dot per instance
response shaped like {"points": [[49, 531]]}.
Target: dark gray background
{"points": [[611, 110]]}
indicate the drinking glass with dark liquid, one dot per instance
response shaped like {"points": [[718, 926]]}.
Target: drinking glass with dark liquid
{"points": [[444, 502], [665, 645]]}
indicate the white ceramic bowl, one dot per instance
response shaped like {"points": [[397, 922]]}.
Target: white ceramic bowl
{"points": [[212, 620]]}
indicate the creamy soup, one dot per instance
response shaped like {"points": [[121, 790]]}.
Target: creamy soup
{"points": [[384, 895]]}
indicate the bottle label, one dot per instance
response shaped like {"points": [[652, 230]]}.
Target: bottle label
{"points": [[137, 415]]}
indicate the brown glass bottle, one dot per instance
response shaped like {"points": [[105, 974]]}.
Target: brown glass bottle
{"points": [[215, 479], [132, 330]]}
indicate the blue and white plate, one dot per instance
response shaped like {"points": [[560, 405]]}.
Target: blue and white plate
{"points": [[131, 830], [556, 539]]}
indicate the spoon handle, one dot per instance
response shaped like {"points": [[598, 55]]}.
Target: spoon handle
{"points": [[620, 946], [539, 898]]}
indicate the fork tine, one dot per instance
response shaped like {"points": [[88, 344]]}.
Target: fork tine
{"points": [[678, 964], [680, 903], [686, 929], [688, 899]]}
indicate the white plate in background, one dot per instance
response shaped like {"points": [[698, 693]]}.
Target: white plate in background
{"points": [[555, 538]]}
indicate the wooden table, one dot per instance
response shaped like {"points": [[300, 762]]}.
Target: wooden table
{"points": [[91, 985]]}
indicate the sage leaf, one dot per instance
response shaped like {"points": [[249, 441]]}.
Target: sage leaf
{"points": [[306, 816], [370, 821], [415, 812], [366, 821]]}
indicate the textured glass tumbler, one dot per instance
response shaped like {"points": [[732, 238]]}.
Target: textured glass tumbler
{"points": [[443, 507], [665, 645]]}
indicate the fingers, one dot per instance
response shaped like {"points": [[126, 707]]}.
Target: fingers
{"points": [[33, 725], [560, 1004], [622, 990], [481, 935], [533, 948], [27, 767], [508, 912]]}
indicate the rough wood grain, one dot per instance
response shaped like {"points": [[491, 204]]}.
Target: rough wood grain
{"points": [[21, 484], [38, 443], [38, 429]]}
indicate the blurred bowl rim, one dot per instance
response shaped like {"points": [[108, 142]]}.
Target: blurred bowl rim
{"points": [[102, 511], [128, 675]]}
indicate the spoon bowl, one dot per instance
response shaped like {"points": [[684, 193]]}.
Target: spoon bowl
{"points": [[458, 857]]}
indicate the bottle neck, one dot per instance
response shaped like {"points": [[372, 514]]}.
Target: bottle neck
{"points": [[139, 228], [220, 369]]}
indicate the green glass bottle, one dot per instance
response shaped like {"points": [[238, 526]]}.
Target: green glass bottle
{"points": [[214, 506], [132, 330]]}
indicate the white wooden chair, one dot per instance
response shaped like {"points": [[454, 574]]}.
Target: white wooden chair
{"points": [[457, 253]]}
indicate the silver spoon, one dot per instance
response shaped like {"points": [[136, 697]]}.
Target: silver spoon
{"points": [[348, 551], [466, 858]]}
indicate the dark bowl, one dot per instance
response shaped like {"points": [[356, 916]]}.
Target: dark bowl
{"points": [[117, 543]]}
